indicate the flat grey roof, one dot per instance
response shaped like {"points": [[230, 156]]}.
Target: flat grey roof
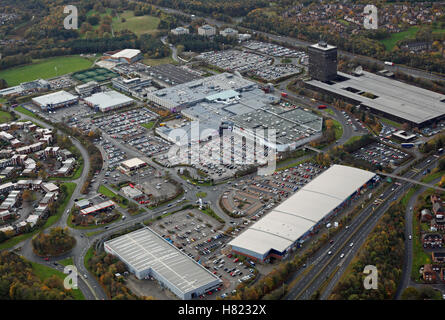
{"points": [[144, 249], [197, 90], [393, 97], [289, 221], [108, 99], [54, 98], [321, 47]]}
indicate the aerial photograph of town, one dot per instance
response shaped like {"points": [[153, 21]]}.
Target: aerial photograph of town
{"points": [[217, 155]]}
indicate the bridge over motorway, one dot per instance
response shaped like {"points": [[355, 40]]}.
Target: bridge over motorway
{"points": [[410, 180]]}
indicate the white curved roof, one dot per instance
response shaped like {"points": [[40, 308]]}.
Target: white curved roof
{"points": [[286, 223]]}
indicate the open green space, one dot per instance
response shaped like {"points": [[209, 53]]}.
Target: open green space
{"points": [[70, 186], [208, 211], [201, 194], [138, 25], [110, 194], [420, 257], [432, 176], [390, 122], [88, 256], [89, 227], [44, 272], [148, 125], [67, 262], [5, 117], [46, 68], [338, 129], [391, 41], [156, 62], [25, 111], [410, 33], [353, 139]]}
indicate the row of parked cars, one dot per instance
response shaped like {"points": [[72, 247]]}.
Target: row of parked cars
{"points": [[149, 145]]}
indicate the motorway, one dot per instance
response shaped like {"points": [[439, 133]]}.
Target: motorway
{"points": [[329, 267]]}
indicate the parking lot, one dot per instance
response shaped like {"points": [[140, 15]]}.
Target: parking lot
{"points": [[200, 237], [253, 197], [148, 144], [114, 155], [354, 122], [61, 82], [235, 60], [277, 71], [235, 157], [273, 49], [124, 124], [381, 154]]}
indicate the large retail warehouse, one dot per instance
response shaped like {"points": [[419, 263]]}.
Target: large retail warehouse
{"points": [[294, 220], [146, 253]]}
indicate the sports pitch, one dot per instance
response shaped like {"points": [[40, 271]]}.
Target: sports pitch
{"points": [[95, 74]]}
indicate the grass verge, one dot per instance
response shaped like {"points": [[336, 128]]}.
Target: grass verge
{"points": [[44, 272]]}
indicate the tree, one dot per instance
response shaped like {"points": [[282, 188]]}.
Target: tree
{"points": [[27, 195], [410, 293]]}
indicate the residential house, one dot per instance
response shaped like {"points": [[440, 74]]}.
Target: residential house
{"points": [[438, 256], [428, 273], [425, 215], [432, 240]]}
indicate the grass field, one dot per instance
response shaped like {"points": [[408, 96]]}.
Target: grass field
{"points": [[88, 256], [67, 262], [148, 125], [138, 25], [5, 117], [390, 122], [70, 189], [44, 69], [110, 194], [25, 111], [353, 139], [156, 62], [390, 42], [338, 129], [420, 257], [44, 272], [201, 195]]}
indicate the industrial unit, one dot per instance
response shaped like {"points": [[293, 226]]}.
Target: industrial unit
{"points": [[106, 205], [146, 254], [294, 220], [130, 165], [126, 56], [55, 100], [107, 101]]}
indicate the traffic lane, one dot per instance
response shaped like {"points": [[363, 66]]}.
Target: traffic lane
{"points": [[357, 240], [360, 238], [323, 260]]}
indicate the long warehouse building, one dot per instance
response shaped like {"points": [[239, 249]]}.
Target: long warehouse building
{"points": [[146, 253], [295, 219], [387, 97]]}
